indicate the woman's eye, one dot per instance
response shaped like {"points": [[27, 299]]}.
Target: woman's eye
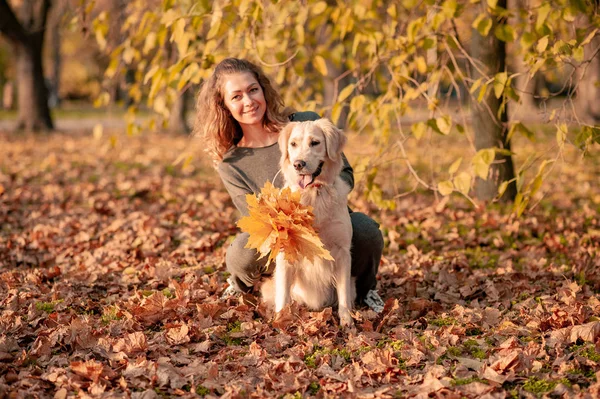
{"points": [[236, 97], [314, 143], [252, 90]]}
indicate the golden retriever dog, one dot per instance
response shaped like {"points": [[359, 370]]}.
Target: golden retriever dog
{"points": [[311, 161]]}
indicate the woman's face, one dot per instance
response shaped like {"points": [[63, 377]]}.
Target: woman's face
{"points": [[244, 98]]}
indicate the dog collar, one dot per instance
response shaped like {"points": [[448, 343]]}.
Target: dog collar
{"points": [[315, 175]]}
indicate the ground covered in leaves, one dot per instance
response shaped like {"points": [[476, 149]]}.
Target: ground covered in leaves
{"points": [[111, 257]]}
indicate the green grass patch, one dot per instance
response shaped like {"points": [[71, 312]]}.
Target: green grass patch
{"points": [[47, 307], [580, 279], [233, 327], [396, 345], [589, 352], [311, 359], [473, 331], [314, 387], [443, 321], [472, 347], [201, 390], [454, 351], [538, 386], [110, 314], [478, 354], [479, 258], [93, 178], [229, 341], [126, 166], [587, 372]]}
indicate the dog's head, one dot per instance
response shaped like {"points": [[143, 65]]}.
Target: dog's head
{"points": [[311, 151]]}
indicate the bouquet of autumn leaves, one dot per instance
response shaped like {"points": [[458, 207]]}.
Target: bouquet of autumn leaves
{"points": [[278, 222]]}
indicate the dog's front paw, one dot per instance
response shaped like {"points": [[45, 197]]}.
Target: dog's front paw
{"points": [[346, 320]]}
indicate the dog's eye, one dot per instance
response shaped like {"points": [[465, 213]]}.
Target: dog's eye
{"points": [[292, 144], [314, 143]]}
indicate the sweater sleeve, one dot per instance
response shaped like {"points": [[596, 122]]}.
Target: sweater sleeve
{"points": [[235, 186], [347, 173]]}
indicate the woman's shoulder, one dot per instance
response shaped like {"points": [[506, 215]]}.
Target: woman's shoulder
{"points": [[304, 116], [241, 156]]}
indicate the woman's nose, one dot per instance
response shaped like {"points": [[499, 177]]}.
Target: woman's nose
{"points": [[248, 100]]}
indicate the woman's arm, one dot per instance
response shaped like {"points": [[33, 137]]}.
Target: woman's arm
{"points": [[235, 186]]}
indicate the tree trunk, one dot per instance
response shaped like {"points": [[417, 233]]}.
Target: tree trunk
{"points": [[526, 88], [588, 85], [331, 91], [32, 94], [54, 89], [28, 39], [177, 121], [525, 85], [489, 125]]}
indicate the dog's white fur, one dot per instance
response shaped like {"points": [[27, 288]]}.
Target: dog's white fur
{"points": [[318, 283]]}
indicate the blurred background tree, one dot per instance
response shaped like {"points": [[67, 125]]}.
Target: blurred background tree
{"points": [[408, 71], [372, 66], [26, 35]]}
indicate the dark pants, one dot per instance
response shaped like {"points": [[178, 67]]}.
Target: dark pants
{"points": [[367, 246]]}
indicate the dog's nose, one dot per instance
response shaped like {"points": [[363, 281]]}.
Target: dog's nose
{"points": [[298, 165]]}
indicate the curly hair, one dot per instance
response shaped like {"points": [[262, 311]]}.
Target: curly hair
{"points": [[215, 123]]}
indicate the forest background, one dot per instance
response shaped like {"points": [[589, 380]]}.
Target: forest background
{"points": [[473, 132]]}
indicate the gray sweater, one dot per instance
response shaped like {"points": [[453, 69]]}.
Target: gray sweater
{"points": [[246, 170]]}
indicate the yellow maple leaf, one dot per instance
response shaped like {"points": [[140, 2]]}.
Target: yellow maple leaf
{"points": [[278, 222]]}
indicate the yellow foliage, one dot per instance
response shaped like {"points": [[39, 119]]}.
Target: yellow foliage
{"points": [[278, 222]]}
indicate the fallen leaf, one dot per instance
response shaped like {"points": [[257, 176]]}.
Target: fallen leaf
{"points": [[506, 362], [588, 332], [491, 375], [178, 335], [91, 369], [491, 316], [470, 363], [131, 343]]}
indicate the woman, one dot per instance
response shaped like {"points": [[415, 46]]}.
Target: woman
{"points": [[240, 114]]}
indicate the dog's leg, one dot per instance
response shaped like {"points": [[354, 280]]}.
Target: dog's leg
{"points": [[344, 289], [283, 282]]}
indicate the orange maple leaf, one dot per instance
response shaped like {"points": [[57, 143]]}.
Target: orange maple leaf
{"points": [[278, 222]]}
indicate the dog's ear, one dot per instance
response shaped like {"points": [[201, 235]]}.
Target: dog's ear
{"points": [[335, 139], [284, 136]]}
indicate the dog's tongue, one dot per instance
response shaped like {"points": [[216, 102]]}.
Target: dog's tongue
{"points": [[305, 180]]}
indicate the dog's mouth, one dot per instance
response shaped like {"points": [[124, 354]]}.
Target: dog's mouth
{"points": [[307, 180]]}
